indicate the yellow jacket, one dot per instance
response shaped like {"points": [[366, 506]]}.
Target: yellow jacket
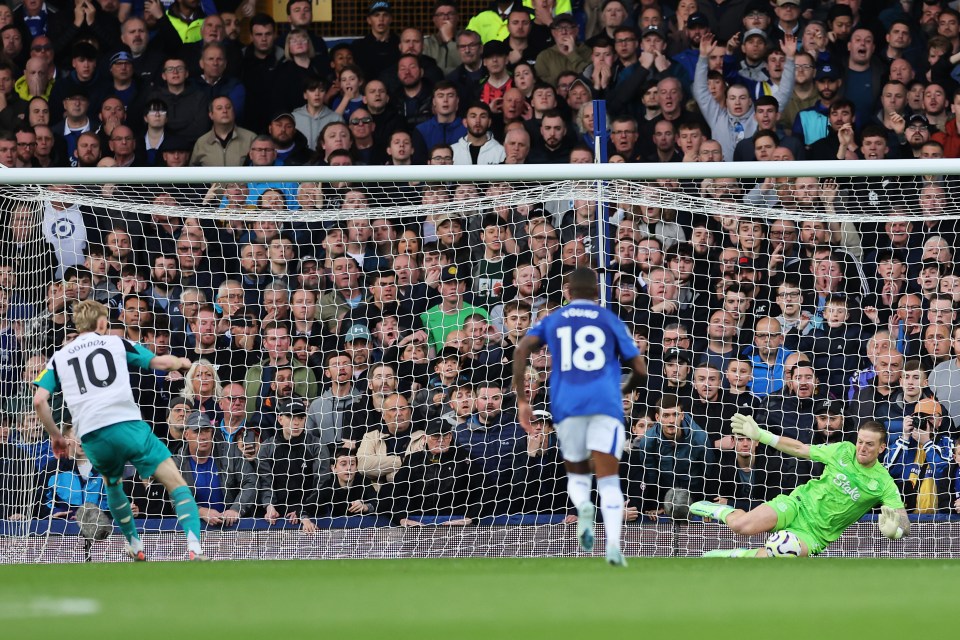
{"points": [[491, 26], [20, 86]]}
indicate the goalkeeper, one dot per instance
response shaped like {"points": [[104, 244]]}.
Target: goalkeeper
{"points": [[818, 512]]}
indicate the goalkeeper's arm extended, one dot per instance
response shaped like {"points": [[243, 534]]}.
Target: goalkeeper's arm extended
{"points": [[748, 428], [893, 523]]}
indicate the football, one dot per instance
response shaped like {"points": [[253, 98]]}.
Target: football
{"points": [[783, 544]]}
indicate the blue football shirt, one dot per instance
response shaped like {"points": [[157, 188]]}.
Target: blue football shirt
{"points": [[587, 344]]}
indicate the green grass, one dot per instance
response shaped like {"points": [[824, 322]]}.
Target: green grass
{"points": [[486, 598]]}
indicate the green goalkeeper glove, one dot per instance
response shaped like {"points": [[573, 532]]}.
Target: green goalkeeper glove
{"points": [[748, 428], [889, 523]]}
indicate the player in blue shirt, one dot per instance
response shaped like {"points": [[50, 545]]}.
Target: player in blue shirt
{"points": [[587, 343]]}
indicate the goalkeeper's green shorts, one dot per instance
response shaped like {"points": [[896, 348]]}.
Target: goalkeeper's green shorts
{"points": [[110, 448], [790, 519]]}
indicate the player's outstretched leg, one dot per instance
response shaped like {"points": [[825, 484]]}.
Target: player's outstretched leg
{"points": [[188, 515], [611, 504], [712, 510], [123, 515]]}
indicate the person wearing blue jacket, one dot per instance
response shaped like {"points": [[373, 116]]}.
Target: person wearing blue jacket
{"points": [[919, 459], [71, 482], [444, 127]]}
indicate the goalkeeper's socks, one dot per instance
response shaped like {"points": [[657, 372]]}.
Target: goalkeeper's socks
{"points": [[611, 505], [578, 488], [712, 510], [188, 515], [122, 512]]}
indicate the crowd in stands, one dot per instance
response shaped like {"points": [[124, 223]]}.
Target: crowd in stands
{"points": [[363, 367]]}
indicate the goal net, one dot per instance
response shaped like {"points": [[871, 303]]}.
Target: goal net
{"points": [[353, 332]]}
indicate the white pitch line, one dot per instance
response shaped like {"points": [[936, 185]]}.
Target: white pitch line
{"points": [[46, 607]]}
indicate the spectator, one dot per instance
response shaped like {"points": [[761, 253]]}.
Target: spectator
{"points": [[875, 401], [566, 54], [184, 101], [384, 447], [439, 480], [276, 344], [494, 441], [672, 454], [733, 122], [451, 314], [918, 459], [260, 60], [442, 45], [743, 478], [348, 493], [478, 146], [288, 465], [329, 416], [378, 49], [314, 115], [767, 356], [225, 486], [942, 379]]}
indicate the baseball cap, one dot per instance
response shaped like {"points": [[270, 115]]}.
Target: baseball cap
{"points": [[918, 118], [283, 114], [377, 7], [196, 421], [655, 30], [177, 401], [450, 273], [746, 263], [831, 407], [676, 353], [697, 19], [448, 217], [77, 92], [542, 414], [496, 48], [293, 406], [563, 18], [780, 3], [755, 32], [827, 72], [357, 332], [438, 427], [928, 406], [309, 258]]}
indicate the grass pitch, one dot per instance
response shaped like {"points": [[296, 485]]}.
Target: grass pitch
{"points": [[482, 598]]}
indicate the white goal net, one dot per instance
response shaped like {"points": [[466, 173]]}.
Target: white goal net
{"points": [[353, 332]]}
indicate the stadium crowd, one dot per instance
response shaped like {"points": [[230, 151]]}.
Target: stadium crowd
{"points": [[363, 367]]}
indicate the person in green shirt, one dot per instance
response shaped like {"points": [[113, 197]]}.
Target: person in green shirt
{"points": [[453, 311], [818, 512]]}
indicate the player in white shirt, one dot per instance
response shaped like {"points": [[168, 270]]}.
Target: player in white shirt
{"points": [[93, 373]]}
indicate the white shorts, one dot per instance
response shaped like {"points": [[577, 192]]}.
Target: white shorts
{"points": [[579, 435]]}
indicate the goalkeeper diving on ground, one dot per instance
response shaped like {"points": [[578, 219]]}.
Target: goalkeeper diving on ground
{"points": [[818, 512]]}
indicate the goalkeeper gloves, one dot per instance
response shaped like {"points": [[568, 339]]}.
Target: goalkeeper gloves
{"points": [[889, 523], [747, 427]]}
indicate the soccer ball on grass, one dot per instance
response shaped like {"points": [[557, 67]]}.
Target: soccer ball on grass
{"points": [[783, 544]]}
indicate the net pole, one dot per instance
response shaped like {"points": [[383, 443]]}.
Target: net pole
{"points": [[603, 212]]}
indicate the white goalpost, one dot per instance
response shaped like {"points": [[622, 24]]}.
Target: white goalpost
{"points": [[353, 331]]}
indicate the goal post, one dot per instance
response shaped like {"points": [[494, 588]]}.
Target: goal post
{"points": [[353, 329]]}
